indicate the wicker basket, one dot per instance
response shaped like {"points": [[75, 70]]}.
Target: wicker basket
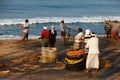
{"points": [[75, 60], [48, 55], [45, 59]]}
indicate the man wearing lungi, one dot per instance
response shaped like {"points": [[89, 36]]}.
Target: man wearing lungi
{"points": [[93, 53]]}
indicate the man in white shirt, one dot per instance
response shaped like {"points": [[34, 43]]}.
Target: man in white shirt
{"points": [[63, 31], [93, 53], [78, 40], [25, 29]]}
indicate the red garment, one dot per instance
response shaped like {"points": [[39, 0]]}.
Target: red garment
{"points": [[45, 34], [115, 33]]}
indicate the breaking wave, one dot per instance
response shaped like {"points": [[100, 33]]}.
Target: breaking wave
{"points": [[97, 19]]}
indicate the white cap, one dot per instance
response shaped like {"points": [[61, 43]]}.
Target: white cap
{"points": [[87, 31], [44, 27]]}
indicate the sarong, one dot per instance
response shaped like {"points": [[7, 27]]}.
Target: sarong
{"points": [[92, 61]]}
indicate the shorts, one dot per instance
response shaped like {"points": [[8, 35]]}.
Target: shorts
{"points": [[115, 33], [24, 36], [63, 33], [108, 32]]}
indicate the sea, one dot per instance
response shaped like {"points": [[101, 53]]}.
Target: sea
{"points": [[85, 14]]}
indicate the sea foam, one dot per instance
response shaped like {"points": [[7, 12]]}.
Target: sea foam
{"points": [[85, 19]]}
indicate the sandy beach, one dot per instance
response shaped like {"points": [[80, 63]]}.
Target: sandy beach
{"points": [[21, 60]]}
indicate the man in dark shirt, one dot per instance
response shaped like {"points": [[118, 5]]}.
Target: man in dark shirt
{"points": [[108, 28], [53, 34]]}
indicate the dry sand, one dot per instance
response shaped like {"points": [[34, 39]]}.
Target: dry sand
{"points": [[21, 59]]}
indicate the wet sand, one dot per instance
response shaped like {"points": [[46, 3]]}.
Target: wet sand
{"points": [[15, 56]]}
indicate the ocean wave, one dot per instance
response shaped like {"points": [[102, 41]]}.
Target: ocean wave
{"points": [[13, 37], [9, 37], [97, 19]]}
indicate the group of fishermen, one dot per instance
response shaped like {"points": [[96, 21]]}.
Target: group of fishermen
{"points": [[112, 30]]}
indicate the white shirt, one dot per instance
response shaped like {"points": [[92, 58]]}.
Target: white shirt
{"points": [[62, 27], [78, 37], [26, 29], [93, 45]]}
